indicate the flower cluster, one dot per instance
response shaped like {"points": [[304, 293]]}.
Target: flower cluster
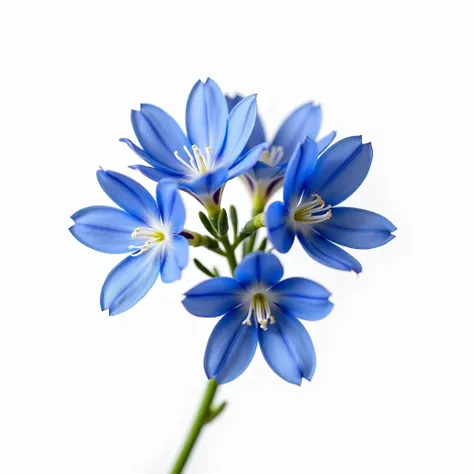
{"points": [[226, 139]]}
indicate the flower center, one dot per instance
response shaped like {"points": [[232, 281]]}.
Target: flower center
{"points": [[260, 309], [198, 163], [273, 156], [154, 237], [313, 212]]}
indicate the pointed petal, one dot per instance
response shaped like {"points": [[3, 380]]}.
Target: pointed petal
{"points": [[357, 228], [327, 253], [258, 133], [231, 347], [280, 233], [288, 349], [129, 195], [160, 136], [171, 205], [105, 229], [245, 162], [129, 282], [157, 174], [206, 116], [207, 184], [259, 268], [303, 122], [341, 170], [302, 298], [299, 171], [181, 246], [141, 153], [214, 297], [232, 101], [324, 142], [239, 127]]}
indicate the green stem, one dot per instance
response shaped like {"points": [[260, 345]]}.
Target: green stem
{"points": [[258, 209], [250, 229], [230, 254], [204, 415]]}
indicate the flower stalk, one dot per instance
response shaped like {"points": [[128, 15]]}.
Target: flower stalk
{"points": [[205, 414]]}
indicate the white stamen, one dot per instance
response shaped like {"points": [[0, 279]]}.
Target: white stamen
{"points": [[260, 309], [273, 156], [313, 212], [156, 238], [198, 163]]}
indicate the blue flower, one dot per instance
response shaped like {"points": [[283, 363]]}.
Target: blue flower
{"points": [[146, 229], [311, 191], [266, 176], [210, 155], [258, 307]]}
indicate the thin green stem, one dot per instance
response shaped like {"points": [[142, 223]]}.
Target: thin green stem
{"points": [[230, 254], [204, 415], [250, 244]]}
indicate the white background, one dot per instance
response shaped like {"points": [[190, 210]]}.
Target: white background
{"points": [[85, 393]]}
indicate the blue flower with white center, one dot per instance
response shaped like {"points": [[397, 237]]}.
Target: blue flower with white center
{"points": [[259, 308], [266, 176], [146, 229], [311, 191], [210, 155]]}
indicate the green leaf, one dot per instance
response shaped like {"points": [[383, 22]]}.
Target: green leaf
{"points": [[222, 223], [234, 219], [207, 224], [263, 244], [203, 268]]}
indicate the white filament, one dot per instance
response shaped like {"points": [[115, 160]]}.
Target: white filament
{"points": [[198, 163]]}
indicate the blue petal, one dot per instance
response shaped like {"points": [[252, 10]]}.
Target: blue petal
{"points": [[231, 347], [245, 162], [156, 174], [129, 195], [288, 349], [181, 246], [206, 116], [170, 205], [141, 153], [324, 142], [160, 136], [170, 267], [302, 298], [130, 281], [298, 171], [258, 134], [327, 253], [280, 233], [262, 172], [207, 184], [305, 121], [105, 229], [239, 127], [341, 170], [214, 297], [357, 228], [233, 101], [259, 268]]}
